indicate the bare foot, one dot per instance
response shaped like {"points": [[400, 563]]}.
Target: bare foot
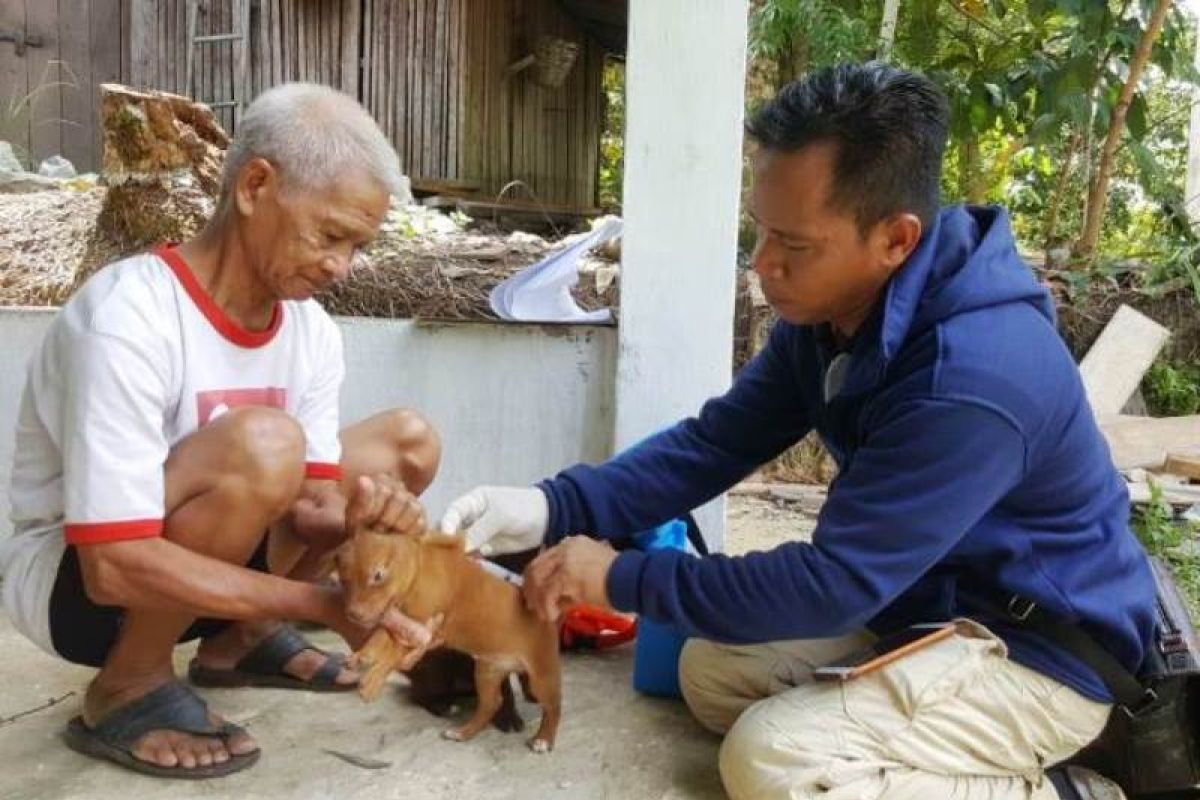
{"points": [[227, 648], [166, 748]]}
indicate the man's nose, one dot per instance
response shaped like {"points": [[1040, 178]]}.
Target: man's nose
{"points": [[766, 259], [337, 266]]}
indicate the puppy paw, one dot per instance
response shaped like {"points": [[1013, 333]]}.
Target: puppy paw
{"points": [[371, 684], [455, 735], [540, 746]]}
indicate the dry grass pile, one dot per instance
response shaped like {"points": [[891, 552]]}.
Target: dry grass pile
{"points": [[424, 264], [429, 265], [44, 239]]}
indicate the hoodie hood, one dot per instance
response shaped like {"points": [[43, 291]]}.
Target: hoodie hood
{"points": [[965, 262]]}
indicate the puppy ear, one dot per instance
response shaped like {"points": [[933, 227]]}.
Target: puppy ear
{"points": [[439, 539]]}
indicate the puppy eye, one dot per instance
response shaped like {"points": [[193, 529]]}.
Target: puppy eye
{"points": [[377, 577]]}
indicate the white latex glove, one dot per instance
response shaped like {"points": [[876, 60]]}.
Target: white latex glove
{"points": [[499, 519]]}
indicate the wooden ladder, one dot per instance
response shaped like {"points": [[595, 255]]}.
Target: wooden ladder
{"points": [[239, 37]]}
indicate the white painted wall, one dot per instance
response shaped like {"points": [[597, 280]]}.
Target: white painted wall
{"points": [[513, 403], [685, 68]]}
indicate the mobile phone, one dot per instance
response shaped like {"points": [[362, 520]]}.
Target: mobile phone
{"points": [[888, 649]]}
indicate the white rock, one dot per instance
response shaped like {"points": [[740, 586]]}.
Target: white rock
{"points": [[8, 159], [404, 195], [57, 167]]}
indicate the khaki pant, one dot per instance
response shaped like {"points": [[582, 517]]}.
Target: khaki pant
{"points": [[954, 720]]}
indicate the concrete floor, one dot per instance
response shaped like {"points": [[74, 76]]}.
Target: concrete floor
{"points": [[613, 743]]}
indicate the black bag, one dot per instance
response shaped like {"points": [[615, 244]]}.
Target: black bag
{"points": [[1151, 744]]}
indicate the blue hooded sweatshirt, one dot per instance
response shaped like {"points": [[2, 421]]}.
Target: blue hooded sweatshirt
{"points": [[970, 466]]}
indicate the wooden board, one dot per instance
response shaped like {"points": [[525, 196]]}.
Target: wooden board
{"points": [[106, 60], [48, 93], [1175, 495], [46, 85], [1186, 464], [14, 81], [78, 107], [1145, 441], [1114, 366], [427, 186]]}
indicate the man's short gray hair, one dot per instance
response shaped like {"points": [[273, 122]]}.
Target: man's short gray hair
{"points": [[312, 134]]}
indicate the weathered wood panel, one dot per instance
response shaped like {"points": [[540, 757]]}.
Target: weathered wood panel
{"points": [[289, 40], [47, 80], [517, 129], [434, 73], [48, 94], [107, 21], [413, 78], [14, 82]]}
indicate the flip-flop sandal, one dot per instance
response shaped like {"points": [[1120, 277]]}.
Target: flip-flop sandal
{"points": [[171, 706], [263, 667]]}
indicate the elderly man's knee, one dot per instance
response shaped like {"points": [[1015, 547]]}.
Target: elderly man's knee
{"points": [[418, 445], [265, 451]]}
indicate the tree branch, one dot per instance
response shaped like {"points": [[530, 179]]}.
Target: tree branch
{"points": [[957, 6]]}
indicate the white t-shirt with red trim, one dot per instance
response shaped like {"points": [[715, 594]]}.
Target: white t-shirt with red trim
{"points": [[138, 359]]}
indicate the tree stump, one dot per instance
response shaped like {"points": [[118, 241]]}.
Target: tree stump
{"points": [[163, 156]]}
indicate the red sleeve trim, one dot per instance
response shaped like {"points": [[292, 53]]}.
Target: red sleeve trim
{"points": [[319, 471], [100, 532]]}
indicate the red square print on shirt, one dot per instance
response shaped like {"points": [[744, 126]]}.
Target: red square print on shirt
{"points": [[215, 402]]}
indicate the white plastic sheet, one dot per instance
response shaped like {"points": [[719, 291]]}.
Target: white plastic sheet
{"points": [[542, 292]]}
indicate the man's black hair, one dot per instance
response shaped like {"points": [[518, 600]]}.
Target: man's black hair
{"points": [[888, 127]]}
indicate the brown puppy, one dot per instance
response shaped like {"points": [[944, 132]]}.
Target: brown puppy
{"points": [[444, 677], [430, 577]]}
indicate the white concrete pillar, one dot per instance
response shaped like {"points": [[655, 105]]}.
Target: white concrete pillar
{"points": [[684, 79]]}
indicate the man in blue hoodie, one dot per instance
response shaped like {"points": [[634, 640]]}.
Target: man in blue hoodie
{"points": [[971, 470]]}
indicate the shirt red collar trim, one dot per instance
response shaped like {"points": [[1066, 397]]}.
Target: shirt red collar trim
{"points": [[212, 312]]}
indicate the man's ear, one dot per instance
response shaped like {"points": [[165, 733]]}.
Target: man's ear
{"points": [[900, 234], [256, 180]]}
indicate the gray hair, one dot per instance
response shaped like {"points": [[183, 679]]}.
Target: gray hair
{"points": [[312, 134]]}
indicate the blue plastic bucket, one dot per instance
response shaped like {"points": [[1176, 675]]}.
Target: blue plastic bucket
{"points": [[657, 648]]}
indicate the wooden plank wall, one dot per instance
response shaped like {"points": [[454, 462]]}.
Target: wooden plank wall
{"points": [[516, 129], [290, 40], [434, 74], [414, 83], [305, 40], [48, 96]]}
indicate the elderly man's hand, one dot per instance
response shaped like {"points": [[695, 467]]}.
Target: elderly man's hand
{"points": [[319, 515], [384, 504], [574, 571]]}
